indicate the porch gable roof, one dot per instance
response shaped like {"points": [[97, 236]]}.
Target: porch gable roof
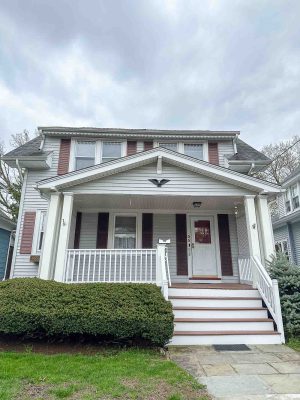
{"points": [[143, 158]]}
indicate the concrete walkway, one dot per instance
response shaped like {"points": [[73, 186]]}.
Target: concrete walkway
{"points": [[264, 372]]}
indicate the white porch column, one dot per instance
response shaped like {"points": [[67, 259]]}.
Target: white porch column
{"points": [[252, 228], [50, 237], [266, 229], [64, 234]]}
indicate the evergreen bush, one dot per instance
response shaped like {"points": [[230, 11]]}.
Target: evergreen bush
{"points": [[32, 307], [288, 276]]}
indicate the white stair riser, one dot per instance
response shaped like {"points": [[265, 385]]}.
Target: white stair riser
{"points": [[224, 326], [213, 292], [226, 339], [220, 313], [216, 303]]}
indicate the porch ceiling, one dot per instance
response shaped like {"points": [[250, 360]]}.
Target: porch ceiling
{"points": [[95, 202]]}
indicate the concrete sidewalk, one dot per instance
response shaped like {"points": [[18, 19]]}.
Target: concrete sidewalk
{"points": [[264, 372]]}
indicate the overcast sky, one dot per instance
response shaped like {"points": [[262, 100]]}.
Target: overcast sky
{"points": [[218, 64]]}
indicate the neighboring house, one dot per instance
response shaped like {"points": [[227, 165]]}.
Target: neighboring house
{"points": [[175, 208], [6, 244], [285, 209]]}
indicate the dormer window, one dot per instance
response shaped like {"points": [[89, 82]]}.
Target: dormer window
{"points": [[194, 150], [85, 154]]}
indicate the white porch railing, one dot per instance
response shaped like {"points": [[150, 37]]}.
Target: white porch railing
{"points": [[118, 265], [253, 272]]}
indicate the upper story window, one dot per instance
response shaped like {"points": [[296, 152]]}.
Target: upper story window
{"points": [[171, 146], [84, 154], [295, 197], [111, 151], [287, 202], [194, 150]]}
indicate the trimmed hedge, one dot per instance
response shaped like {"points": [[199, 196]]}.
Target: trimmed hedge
{"points": [[36, 308], [288, 276]]}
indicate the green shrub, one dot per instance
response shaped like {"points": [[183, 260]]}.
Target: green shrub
{"points": [[36, 308], [288, 276]]}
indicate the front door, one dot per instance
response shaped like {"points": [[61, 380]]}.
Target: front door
{"points": [[203, 247]]}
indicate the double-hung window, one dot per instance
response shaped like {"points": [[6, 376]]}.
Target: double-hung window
{"points": [[125, 232], [85, 154], [169, 145], [111, 151], [39, 231], [295, 197], [194, 150], [282, 247], [287, 202]]}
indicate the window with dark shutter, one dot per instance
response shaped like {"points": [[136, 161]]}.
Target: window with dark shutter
{"points": [[102, 230], [225, 246], [181, 244], [27, 232], [64, 156], [147, 231], [131, 147], [213, 153]]}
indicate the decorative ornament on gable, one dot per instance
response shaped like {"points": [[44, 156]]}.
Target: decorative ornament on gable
{"points": [[159, 183]]}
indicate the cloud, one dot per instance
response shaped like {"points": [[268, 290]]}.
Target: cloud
{"points": [[151, 64]]}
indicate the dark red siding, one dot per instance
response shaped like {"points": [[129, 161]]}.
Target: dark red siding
{"points": [[27, 233], [148, 146], [225, 247], [131, 147], [102, 230], [147, 231], [181, 245], [77, 230], [64, 156], [213, 153]]}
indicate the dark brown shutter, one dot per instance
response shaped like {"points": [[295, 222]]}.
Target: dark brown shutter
{"points": [[77, 230], [147, 231], [64, 156], [131, 147], [213, 153], [225, 247], [27, 233], [102, 230], [148, 146], [181, 245]]}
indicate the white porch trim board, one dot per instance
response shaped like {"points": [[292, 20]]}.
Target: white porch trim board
{"points": [[48, 256], [252, 226], [64, 234], [266, 229]]}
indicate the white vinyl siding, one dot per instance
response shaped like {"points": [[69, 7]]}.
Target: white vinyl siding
{"points": [[225, 148], [33, 202], [180, 181], [164, 227], [296, 234], [88, 232], [243, 244], [234, 244]]}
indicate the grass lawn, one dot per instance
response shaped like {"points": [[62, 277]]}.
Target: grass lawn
{"points": [[294, 344], [113, 374]]}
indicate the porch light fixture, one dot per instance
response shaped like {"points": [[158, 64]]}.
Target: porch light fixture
{"points": [[197, 204]]}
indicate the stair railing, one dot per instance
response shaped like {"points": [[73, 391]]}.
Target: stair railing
{"points": [[253, 272], [163, 271]]}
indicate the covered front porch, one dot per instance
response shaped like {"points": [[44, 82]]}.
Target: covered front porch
{"points": [[175, 239]]}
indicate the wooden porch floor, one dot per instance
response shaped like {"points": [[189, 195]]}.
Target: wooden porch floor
{"points": [[229, 286]]}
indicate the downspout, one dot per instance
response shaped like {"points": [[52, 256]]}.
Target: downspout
{"points": [[251, 168], [42, 142], [19, 170], [234, 144]]}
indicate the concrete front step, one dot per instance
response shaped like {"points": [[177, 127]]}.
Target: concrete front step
{"points": [[230, 337], [213, 292], [199, 325], [228, 302], [204, 312]]}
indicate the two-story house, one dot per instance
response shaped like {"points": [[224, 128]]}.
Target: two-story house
{"points": [[285, 209], [176, 208]]}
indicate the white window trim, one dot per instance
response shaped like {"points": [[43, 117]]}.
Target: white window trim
{"points": [[180, 146], [98, 150], [111, 227], [36, 233], [289, 198]]}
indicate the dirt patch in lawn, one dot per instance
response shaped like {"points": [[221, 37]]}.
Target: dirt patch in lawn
{"points": [[53, 392]]}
